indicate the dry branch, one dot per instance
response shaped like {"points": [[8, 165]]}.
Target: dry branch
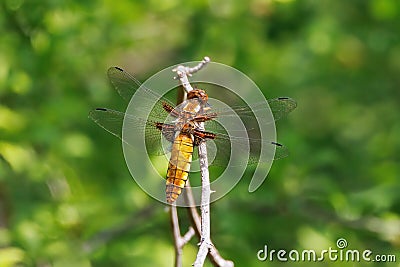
{"points": [[202, 225], [179, 241]]}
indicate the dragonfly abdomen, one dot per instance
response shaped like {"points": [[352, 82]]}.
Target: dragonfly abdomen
{"points": [[179, 165]]}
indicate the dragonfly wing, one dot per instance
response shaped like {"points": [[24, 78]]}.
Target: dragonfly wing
{"points": [[281, 151], [113, 122], [227, 150], [125, 84], [249, 150], [109, 120], [280, 108]]}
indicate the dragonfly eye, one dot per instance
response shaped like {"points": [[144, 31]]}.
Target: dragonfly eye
{"points": [[204, 97], [199, 94], [196, 93]]}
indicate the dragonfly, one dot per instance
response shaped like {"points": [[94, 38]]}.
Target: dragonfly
{"points": [[181, 128]]}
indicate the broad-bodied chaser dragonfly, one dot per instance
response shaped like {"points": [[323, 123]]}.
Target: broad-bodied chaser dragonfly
{"points": [[182, 131]]}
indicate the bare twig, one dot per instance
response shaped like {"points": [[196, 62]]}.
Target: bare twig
{"points": [[183, 73], [202, 224], [205, 241], [179, 241], [214, 255], [174, 212]]}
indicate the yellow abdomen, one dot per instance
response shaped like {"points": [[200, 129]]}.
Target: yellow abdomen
{"points": [[179, 166]]}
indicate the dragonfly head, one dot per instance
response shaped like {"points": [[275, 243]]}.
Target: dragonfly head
{"points": [[199, 94]]}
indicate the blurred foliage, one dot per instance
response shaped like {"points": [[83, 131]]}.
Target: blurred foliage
{"points": [[66, 196]]}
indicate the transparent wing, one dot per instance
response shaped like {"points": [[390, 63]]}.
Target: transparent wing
{"points": [[224, 144], [220, 151], [108, 119], [127, 85], [280, 108], [112, 121], [220, 148], [246, 149]]}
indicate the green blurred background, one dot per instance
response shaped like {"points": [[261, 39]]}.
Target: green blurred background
{"points": [[66, 196]]}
